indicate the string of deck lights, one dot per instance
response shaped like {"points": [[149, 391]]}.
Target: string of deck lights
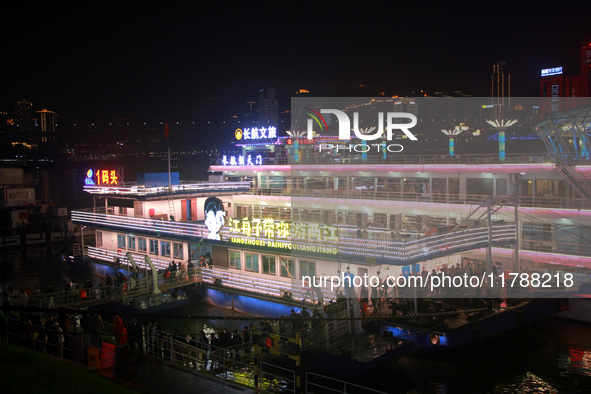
{"points": [[144, 191], [261, 285], [110, 256]]}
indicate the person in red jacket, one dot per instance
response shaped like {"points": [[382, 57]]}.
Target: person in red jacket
{"points": [[120, 331]]}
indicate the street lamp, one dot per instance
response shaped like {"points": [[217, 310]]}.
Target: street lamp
{"points": [[365, 131], [295, 136], [501, 126], [452, 133]]}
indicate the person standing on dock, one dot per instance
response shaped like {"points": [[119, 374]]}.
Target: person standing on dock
{"points": [[49, 292], [120, 331], [108, 284], [190, 270]]}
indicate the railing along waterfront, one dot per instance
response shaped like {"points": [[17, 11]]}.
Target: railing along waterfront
{"points": [[80, 295]]}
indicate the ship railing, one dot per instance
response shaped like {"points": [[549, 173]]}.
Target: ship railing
{"points": [[141, 190], [407, 159], [429, 159], [420, 246], [101, 209], [583, 248], [370, 193], [119, 258], [292, 290], [141, 224], [425, 247]]}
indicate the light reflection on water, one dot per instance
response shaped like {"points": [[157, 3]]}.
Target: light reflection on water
{"points": [[552, 356], [527, 383], [580, 359]]}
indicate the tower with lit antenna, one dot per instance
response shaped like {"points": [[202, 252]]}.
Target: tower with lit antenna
{"points": [[500, 89]]}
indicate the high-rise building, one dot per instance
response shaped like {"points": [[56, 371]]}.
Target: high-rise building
{"points": [[47, 121], [554, 83], [585, 70], [268, 107], [556, 86], [23, 117]]}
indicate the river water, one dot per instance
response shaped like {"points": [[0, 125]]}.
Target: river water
{"points": [[552, 356]]}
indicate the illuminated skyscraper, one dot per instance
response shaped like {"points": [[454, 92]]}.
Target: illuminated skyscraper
{"points": [[554, 84], [47, 125], [268, 107], [585, 71], [23, 117]]}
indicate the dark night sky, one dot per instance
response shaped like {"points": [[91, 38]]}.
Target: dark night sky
{"points": [[101, 60]]}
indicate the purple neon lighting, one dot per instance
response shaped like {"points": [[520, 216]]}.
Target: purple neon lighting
{"points": [[437, 168], [544, 257]]}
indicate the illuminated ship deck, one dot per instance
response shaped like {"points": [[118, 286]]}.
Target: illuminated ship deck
{"points": [[141, 192]]}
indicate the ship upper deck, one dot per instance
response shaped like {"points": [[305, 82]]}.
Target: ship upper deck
{"points": [[182, 190], [466, 163]]}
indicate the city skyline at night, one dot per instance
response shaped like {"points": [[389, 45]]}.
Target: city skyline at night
{"points": [[188, 63]]}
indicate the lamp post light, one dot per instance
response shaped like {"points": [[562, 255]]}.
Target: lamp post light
{"points": [[452, 133], [295, 136], [501, 126], [365, 131]]}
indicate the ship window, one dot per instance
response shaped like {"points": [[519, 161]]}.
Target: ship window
{"points": [[251, 262], [307, 268], [479, 186], [380, 220], [165, 248], [121, 241], [234, 259], [501, 187], [269, 265], [141, 245], [153, 246], [99, 239], [177, 251], [131, 242], [287, 267]]}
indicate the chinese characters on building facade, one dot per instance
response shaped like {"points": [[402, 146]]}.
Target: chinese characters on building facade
{"points": [[101, 178], [241, 160]]}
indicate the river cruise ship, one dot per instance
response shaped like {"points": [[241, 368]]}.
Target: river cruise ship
{"points": [[287, 210]]}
